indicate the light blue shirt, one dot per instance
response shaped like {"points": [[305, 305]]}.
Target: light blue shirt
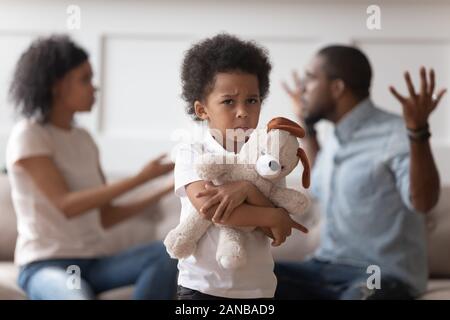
{"points": [[361, 179]]}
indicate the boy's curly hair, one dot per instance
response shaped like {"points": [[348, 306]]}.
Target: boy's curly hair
{"points": [[221, 53], [46, 61]]}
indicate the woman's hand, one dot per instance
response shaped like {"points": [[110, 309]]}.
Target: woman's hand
{"points": [[227, 196], [114, 214], [418, 107], [155, 168]]}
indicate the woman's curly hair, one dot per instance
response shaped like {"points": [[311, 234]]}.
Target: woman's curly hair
{"points": [[46, 61], [221, 53]]}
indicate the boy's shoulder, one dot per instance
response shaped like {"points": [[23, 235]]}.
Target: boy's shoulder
{"points": [[192, 147], [188, 152]]}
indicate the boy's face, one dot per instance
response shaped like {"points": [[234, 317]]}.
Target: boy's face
{"points": [[233, 103]]}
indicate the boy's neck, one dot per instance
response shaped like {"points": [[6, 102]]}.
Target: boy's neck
{"points": [[228, 145], [233, 146]]}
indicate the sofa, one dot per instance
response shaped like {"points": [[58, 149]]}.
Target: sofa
{"points": [[156, 221]]}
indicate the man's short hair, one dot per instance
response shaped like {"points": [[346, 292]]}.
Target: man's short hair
{"points": [[349, 64]]}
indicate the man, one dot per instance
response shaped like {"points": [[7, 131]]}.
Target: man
{"points": [[375, 180]]}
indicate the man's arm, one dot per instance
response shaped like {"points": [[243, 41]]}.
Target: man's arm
{"points": [[424, 177]]}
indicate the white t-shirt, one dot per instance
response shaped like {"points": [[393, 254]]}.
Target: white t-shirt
{"points": [[43, 230], [201, 271]]}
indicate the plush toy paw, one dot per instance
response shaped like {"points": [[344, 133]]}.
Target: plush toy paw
{"points": [[299, 204], [178, 246]]}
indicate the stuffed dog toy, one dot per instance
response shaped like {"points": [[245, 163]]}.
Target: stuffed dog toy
{"points": [[265, 159]]}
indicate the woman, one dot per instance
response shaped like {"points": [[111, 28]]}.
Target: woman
{"points": [[59, 192]]}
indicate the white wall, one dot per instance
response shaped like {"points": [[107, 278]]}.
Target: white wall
{"points": [[136, 48]]}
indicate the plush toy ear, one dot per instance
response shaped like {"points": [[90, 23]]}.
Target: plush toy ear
{"points": [[306, 176], [296, 130], [287, 125]]}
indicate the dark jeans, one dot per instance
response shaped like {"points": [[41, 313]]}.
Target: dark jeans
{"points": [[317, 279], [189, 294], [148, 267]]}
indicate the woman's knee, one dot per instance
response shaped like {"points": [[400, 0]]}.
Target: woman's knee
{"points": [[50, 283], [158, 249]]}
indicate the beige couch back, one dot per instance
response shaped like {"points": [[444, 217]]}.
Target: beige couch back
{"points": [[156, 221]]}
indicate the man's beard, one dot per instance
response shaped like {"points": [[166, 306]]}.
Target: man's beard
{"points": [[311, 119], [319, 112]]}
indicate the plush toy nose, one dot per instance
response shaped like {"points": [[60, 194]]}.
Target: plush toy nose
{"points": [[268, 167]]}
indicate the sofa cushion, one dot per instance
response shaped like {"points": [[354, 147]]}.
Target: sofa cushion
{"points": [[8, 232], [438, 289], [9, 290], [438, 223], [150, 225]]}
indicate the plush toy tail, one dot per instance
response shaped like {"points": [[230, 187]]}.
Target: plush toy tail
{"points": [[306, 176]]}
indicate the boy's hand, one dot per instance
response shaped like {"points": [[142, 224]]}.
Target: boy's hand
{"points": [[227, 196], [281, 227]]}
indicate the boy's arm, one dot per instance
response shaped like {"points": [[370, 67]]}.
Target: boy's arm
{"points": [[246, 215], [205, 197], [239, 191]]}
